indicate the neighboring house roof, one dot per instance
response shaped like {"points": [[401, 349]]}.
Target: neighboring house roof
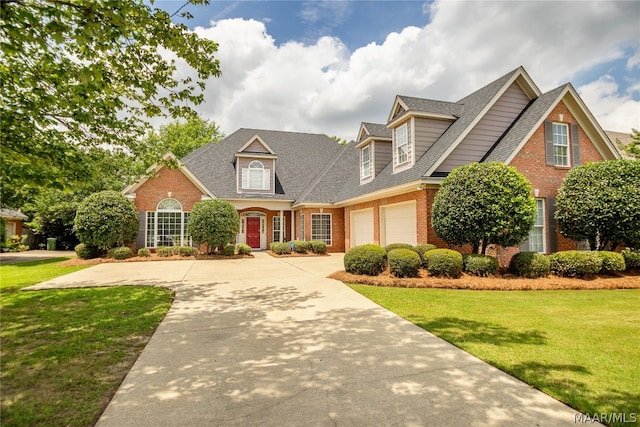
{"points": [[300, 160], [12, 214]]}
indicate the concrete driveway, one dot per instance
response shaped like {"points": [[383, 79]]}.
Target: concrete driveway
{"points": [[272, 342]]}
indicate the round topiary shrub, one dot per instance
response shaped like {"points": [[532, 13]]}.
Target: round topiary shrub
{"points": [[393, 246], [243, 249], [123, 252], [106, 220], [365, 259], [318, 246], [612, 262], [86, 252], [421, 249], [144, 252], [530, 264], [228, 250], [281, 248], [404, 262], [301, 247], [164, 251], [479, 265], [575, 263], [631, 258], [187, 251], [213, 222], [444, 262]]}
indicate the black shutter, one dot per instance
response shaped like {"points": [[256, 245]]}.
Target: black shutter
{"points": [[575, 145], [142, 223], [548, 142], [552, 226]]}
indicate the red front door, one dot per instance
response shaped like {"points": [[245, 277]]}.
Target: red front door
{"points": [[253, 231]]}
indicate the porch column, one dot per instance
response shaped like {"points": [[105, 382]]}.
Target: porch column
{"points": [[281, 225], [293, 225]]}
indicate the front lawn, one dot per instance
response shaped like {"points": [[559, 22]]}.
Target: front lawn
{"points": [[65, 352], [581, 347]]}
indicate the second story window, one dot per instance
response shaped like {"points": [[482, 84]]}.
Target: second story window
{"points": [[365, 166], [255, 177], [561, 144], [402, 145]]}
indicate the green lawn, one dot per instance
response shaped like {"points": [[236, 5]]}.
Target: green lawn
{"points": [[65, 352], [581, 347]]}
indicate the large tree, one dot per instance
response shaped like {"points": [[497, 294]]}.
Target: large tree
{"points": [[81, 74], [181, 137], [483, 204], [600, 202]]}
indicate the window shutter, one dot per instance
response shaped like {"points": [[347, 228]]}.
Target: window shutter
{"points": [[142, 227], [552, 226], [245, 178], [548, 142], [575, 145], [266, 179]]}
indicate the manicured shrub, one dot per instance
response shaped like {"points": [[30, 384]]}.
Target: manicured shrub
{"points": [[187, 251], [631, 258], [365, 259], [144, 252], [575, 263], [122, 252], [243, 249], [281, 248], [228, 250], [404, 262], [164, 251], [86, 252], [612, 262], [479, 265], [444, 262], [530, 264], [421, 249], [393, 246], [318, 246], [301, 247], [106, 220], [213, 222]]}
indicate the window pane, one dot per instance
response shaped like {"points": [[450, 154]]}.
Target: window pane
{"points": [[366, 162], [277, 229], [169, 205], [561, 144], [301, 227], [321, 227], [536, 235], [169, 228], [151, 230], [401, 144]]}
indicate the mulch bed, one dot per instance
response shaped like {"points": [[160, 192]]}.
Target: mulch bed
{"points": [[294, 255], [495, 283], [153, 257]]}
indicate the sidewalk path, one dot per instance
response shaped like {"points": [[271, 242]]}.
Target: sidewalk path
{"points": [[272, 342]]}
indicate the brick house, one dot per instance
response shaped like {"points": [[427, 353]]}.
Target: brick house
{"points": [[380, 187]]}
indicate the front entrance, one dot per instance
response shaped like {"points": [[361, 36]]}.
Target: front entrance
{"points": [[253, 231]]}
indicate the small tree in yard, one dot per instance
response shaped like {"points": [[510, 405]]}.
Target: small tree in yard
{"points": [[106, 220], [600, 202], [483, 204], [213, 222]]}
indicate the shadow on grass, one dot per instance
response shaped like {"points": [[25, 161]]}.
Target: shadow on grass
{"points": [[464, 330]]}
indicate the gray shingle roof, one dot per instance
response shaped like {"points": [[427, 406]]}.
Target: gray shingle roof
{"points": [[377, 130], [432, 106], [297, 166]]}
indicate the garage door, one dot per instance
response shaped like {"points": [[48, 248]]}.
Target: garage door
{"points": [[398, 223], [361, 227]]}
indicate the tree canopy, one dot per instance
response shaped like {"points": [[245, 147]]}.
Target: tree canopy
{"points": [[181, 138], [213, 222], [79, 75], [483, 204], [600, 202]]}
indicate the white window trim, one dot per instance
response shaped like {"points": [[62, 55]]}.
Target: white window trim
{"points": [[301, 229], [542, 226], [184, 239], [282, 227], [266, 177], [363, 175], [330, 227], [398, 145], [568, 145]]}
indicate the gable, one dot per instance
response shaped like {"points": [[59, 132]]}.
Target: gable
{"points": [[167, 183], [256, 145]]}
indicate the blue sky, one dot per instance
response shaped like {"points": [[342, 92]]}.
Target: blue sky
{"points": [[327, 65]]}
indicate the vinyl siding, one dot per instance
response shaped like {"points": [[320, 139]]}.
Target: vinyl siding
{"points": [[382, 155], [488, 130], [255, 147], [410, 148], [427, 132]]}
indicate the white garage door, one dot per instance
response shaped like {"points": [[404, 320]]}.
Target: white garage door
{"points": [[361, 227], [398, 223]]}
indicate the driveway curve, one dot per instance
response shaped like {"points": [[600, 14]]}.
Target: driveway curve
{"points": [[273, 342]]}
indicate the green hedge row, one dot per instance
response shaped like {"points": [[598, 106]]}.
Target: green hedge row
{"points": [[299, 246]]}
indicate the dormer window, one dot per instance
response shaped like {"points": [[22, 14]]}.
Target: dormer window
{"points": [[402, 145], [256, 177], [365, 162]]}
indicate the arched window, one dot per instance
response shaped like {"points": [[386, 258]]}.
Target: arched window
{"points": [[167, 225], [256, 177]]}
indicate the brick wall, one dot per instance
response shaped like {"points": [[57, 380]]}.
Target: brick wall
{"points": [[337, 226], [166, 181]]}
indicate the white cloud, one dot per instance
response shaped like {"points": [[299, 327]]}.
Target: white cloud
{"points": [[323, 87]]}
